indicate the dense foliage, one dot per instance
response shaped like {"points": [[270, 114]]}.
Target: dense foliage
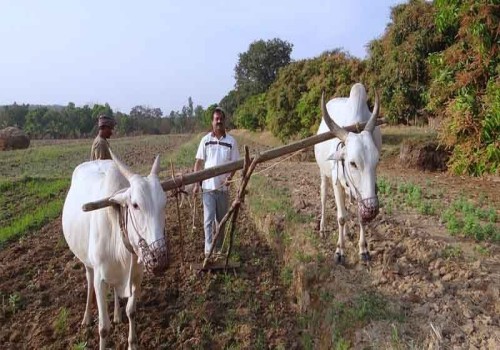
{"points": [[465, 89], [293, 100], [397, 62], [256, 70], [435, 61], [258, 66]]}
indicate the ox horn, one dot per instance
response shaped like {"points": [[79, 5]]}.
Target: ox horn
{"points": [[370, 126], [155, 170], [337, 130], [122, 167]]}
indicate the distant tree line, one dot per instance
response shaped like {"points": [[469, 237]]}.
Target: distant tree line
{"points": [[55, 122]]}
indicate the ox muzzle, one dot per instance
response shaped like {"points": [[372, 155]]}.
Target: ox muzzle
{"points": [[368, 209], [155, 255]]}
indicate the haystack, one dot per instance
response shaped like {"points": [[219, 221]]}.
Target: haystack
{"points": [[13, 138]]}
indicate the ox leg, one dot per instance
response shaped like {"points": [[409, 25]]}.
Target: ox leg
{"points": [[363, 245], [341, 219], [131, 307], [104, 323], [87, 318], [324, 186], [117, 314]]}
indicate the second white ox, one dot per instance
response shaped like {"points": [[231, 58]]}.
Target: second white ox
{"points": [[350, 162], [115, 243]]}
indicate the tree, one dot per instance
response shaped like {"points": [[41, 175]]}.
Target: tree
{"points": [[258, 67], [465, 86], [98, 109], [231, 101], [35, 125], [251, 114], [293, 100], [14, 115], [397, 62]]}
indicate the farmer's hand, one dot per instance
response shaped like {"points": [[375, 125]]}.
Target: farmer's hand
{"points": [[227, 182]]}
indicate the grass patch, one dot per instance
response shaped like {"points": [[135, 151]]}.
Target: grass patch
{"points": [[61, 157], [185, 155], [35, 180], [462, 217], [61, 322], [470, 220], [29, 203], [354, 314], [265, 197], [451, 252]]}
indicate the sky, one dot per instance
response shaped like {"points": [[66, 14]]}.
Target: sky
{"points": [[158, 53]]}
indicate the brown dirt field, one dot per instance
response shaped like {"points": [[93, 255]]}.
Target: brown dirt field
{"points": [[249, 308], [458, 296]]}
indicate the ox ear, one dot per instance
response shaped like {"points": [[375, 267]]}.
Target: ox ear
{"points": [[337, 155], [120, 197]]}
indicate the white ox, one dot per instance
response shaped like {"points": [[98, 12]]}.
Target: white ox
{"points": [[114, 256], [350, 161]]}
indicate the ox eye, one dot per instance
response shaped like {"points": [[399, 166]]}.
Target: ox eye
{"points": [[353, 165], [135, 205]]}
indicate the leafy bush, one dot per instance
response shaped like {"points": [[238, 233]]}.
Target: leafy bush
{"points": [[251, 114], [465, 89], [293, 99]]}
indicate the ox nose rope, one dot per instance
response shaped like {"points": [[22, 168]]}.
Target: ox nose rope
{"points": [[368, 207]]}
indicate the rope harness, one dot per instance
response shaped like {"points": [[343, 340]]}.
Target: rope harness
{"points": [[155, 254], [368, 207]]}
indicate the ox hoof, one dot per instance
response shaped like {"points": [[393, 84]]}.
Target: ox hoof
{"points": [[366, 256], [339, 259]]}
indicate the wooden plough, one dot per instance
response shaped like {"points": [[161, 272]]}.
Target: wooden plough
{"points": [[248, 165]]}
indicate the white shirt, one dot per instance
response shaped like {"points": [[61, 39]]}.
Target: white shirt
{"points": [[214, 152]]}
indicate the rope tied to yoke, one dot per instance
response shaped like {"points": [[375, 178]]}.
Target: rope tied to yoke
{"points": [[178, 190]]}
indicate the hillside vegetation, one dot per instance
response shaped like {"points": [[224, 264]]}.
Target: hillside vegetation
{"points": [[435, 61]]}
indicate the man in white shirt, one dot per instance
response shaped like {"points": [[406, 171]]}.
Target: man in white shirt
{"points": [[216, 148]]}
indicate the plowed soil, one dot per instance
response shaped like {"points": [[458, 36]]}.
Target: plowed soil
{"points": [[446, 303]]}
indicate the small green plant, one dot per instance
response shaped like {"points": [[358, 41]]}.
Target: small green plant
{"points": [[463, 217], [287, 276], [360, 310], [260, 342], [426, 208], [395, 337], [384, 186], [342, 344], [80, 346], [307, 341], [303, 257], [14, 302], [484, 251], [61, 322], [451, 252]]}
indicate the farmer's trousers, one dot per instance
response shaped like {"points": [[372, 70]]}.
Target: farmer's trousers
{"points": [[215, 206]]}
